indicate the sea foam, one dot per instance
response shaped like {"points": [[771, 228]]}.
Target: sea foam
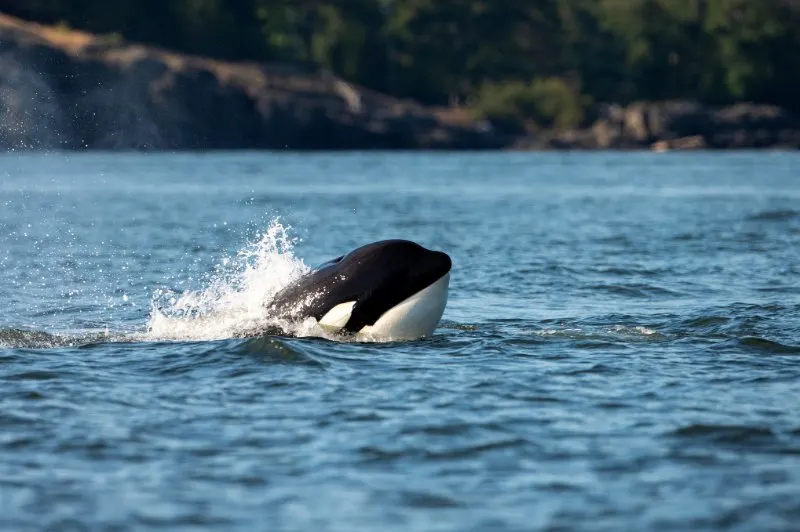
{"points": [[233, 303]]}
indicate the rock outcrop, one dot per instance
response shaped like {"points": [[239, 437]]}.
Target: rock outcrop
{"points": [[682, 125], [68, 89]]}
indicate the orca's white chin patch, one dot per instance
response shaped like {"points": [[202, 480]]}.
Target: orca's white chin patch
{"points": [[412, 318]]}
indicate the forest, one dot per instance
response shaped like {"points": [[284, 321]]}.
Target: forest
{"points": [[544, 60]]}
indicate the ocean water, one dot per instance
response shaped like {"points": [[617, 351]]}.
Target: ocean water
{"points": [[620, 351]]}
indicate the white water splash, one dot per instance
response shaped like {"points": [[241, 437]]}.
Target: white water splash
{"points": [[634, 330], [233, 304], [617, 331]]}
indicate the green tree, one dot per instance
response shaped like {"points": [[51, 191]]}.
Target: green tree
{"points": [[466, 51]]}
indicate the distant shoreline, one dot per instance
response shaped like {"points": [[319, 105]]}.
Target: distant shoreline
{"points": [[69, 90]]}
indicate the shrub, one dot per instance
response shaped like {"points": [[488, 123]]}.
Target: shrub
{"points": [[518, 107]]}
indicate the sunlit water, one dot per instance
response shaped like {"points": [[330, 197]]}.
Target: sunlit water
{"points": [[621, 348]]}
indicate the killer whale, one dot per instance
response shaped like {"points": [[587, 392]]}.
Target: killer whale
{"points": [[394, 289]]}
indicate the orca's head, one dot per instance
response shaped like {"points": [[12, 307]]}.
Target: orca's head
{"points": [[389, 289]]}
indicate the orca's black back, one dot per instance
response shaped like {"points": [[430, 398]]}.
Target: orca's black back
{"points": [[377, 277]]}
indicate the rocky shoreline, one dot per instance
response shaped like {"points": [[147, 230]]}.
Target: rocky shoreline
{"points": [[678, 125], [64, 89]]}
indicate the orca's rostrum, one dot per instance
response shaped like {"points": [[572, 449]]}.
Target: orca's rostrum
{"points": [[392, 289]]}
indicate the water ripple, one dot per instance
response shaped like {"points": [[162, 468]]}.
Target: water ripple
{"points": [[768, 346], [726, 434], [777, 215], [618, 351]]}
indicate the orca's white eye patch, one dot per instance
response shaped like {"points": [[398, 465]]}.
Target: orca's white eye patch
{"points": [[338, 316]]}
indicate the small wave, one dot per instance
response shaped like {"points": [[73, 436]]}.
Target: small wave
{"points": [[731, 322], [427, 499], [730, 434], [595, 369], [639, 290], [458, 326], [31, 339], [686, 237], [621, 240], [775, 215], [571, 333], [604, 335], [706, 322], [271, 349], [478, 448], [637, 330], [620, 271], [782, 289], [34, 375], [769, 346]]}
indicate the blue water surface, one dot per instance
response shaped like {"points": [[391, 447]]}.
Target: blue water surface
{"points": [[620, 351]]}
